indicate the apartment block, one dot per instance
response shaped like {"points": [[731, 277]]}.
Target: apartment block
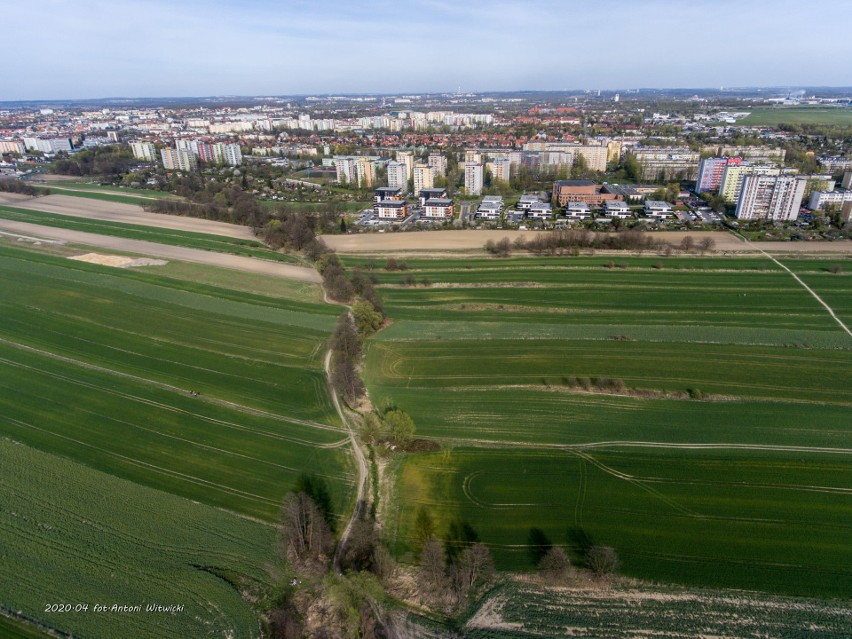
{"points": [[822, 200], [439, 209], [12, 146], [423, 178], [502, 169], [732, 179], [398, 175], [473, 178], [769, 197], [665, 164], [711, 171], [144, 151], [438, 163]]}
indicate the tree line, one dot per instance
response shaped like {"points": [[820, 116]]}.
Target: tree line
{"points": [[559, 242], [13, 185]]}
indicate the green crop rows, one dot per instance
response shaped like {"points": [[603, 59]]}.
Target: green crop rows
{"points": [[693, 413], [73, 535], [217, 243], [180, 387]]}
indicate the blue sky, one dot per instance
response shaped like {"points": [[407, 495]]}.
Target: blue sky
{"points": [[102, 48]]}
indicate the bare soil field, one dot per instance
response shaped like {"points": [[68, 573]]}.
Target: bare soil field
{"points": [[236, 262], [473, 241], [120, 212]]}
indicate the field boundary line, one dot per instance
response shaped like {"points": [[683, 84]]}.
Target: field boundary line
{"points": [[805, 286]]}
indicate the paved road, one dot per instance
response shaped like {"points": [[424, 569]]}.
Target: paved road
{"points": [[164, 251]]}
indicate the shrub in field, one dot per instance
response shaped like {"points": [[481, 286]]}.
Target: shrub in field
{"points": [[554, 566], [602, 560]]}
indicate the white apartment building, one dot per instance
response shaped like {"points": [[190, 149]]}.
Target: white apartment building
{"points": [[617, 209], [407, 158], [144, 151], [48, 145], [658, 210], [502, 169], [766, 197], [439, 209], [732, 179], [422, 178], [473, 178], [577, 211], [821, 200], [540, 211], [178, 160], [398, 175], [438, 163]]}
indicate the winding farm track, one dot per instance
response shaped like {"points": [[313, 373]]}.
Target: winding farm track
{"points": [[164, 251], [360, 461]]}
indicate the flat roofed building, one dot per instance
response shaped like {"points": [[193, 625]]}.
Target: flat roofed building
{"points": [[821, 200], [439, 208], [433, 193], [473, 178], [587, 191], [578, 211], [387, 193], [617, 209], [658, 209], [423, 178], [768, 197], [391, 209], [540, 211]]}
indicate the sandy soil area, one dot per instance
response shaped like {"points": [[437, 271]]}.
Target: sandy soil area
{"points": [[236, 262], [118, 261], [470, 240], [13, 199], [127, 213]]}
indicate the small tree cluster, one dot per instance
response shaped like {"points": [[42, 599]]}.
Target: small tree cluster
{"points": [[345, 354], [502, 248], [452, 580], [392, 426], [305, 537], [556, 242], [9, 185]]}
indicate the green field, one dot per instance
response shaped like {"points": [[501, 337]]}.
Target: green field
{"points": [[773, 116], [99, 365], [74, 535], [204, 241], [720, 455]]}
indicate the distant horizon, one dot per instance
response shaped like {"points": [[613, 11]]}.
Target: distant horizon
{"points": [[624, 92], [69, 50]]}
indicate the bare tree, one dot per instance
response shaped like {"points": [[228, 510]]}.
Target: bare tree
{"points": [[603, 560], [432, 564], [474, 567], [706, 244], [687, 244], [305, 536], [554, 566]]}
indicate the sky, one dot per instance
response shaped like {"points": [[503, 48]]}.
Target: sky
{"points": [[76, 49]]}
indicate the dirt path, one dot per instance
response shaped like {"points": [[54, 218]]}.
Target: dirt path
{"points": [[127, 213], [806, 287], [434, 243], [361, 462], [152, 249]]}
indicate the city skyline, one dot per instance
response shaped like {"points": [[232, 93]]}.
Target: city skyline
{"points": [[132, 48]]}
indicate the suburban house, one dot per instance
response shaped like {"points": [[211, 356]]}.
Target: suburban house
{"points": [[577, 211], [616, 209], [658, 210], [540, 210], [490, 208], [527, 201]]}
